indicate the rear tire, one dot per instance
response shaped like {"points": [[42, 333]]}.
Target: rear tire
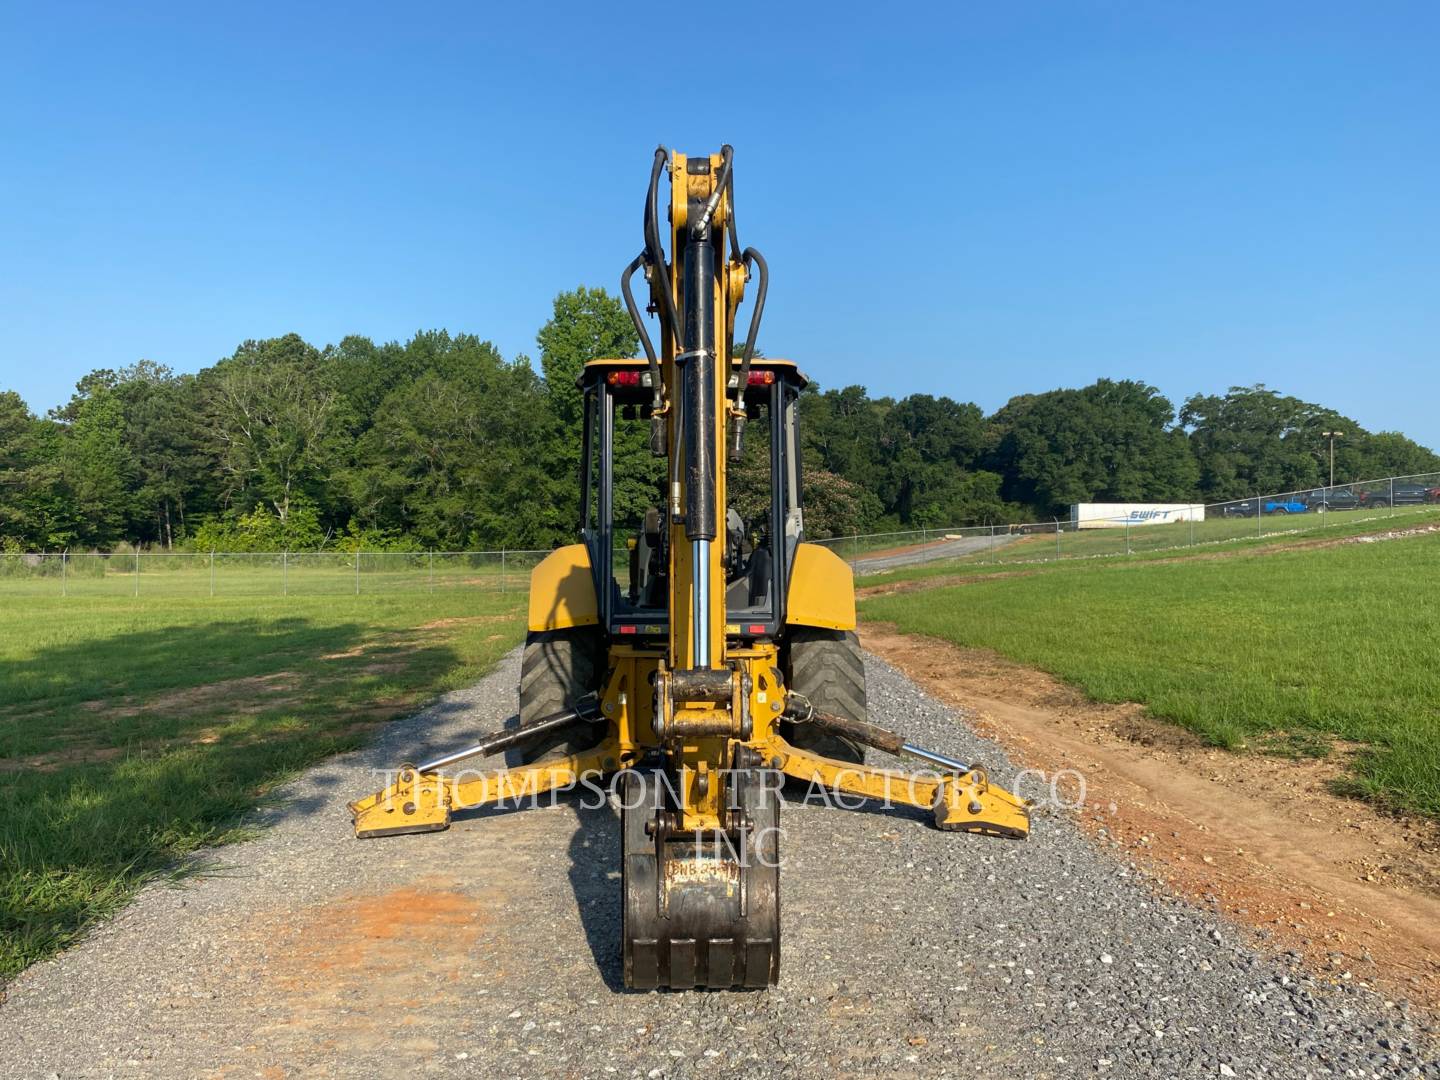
{"points": [[828, 668], [558, 668]]}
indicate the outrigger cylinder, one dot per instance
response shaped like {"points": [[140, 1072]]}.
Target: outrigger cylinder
{"points": [[880, 738], [587, 712]]}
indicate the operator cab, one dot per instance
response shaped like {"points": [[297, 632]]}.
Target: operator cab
{"points": [[624, 495]]}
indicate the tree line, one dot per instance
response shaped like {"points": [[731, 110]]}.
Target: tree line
{"points": [[440, 442]]}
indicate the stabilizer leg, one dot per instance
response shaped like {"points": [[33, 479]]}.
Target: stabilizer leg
{"points": [[961, 801], [422, 801]]}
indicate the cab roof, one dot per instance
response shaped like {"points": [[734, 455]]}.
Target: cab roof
{"points": [[761, 362]]}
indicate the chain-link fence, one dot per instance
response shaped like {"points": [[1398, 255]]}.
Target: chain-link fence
{"points": [[1316, 510], [289, 573]]}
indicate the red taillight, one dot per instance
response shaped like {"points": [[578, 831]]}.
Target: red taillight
{"points": [[627, 629], [624, 378], [761, 378], [756, 628]]}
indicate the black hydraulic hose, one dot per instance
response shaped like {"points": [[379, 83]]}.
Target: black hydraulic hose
{"points": [[634, 310], [734, 235], [658, 441], [722, 187], [655, 250], [751, 255]]}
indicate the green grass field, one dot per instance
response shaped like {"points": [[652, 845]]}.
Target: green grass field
{"points": [[1276, 648], [1163, 541], [160, 574], [134, 731]]}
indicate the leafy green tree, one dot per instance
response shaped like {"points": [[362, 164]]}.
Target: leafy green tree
{"points": [[94, 470], [263, 530], [586, 324], [270, 409], [845, 432], [164, 434], [439, 441], [21, 441], [1384, 453], [590, 324], [932, 445], [448, 460], [1113, 441], [1255, 441]]}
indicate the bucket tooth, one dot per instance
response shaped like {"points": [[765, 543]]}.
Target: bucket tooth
{"points": [[415, 803], [968, 803]]}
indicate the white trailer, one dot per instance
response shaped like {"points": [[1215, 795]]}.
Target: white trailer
{"points": [[1128, 515]]}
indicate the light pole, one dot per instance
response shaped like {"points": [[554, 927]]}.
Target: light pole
{"points": [[1332, 436]]}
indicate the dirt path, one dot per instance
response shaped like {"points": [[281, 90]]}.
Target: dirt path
{"points": [[1260, 838]]}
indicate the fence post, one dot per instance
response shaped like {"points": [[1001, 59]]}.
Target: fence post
{"points": [[357, 570], [430, 572], [502, 571], [854, 549], [137, 571], [1191, 515], [285, 573], [1392, 496], [1259, 513], [1127, 536], [212, 571], [64, 566]]}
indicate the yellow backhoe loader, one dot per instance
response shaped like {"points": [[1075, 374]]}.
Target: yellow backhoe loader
{"points": [[690, 658]]}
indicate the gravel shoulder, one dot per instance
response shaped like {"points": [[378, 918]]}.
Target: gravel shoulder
{"points": [[492, 950], [1262, 838]]}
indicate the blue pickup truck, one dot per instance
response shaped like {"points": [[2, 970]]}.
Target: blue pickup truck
{"points": [[1279, 504]]}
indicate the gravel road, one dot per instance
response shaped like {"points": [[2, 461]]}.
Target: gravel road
{"points": [[492, 950], [948, 549]]}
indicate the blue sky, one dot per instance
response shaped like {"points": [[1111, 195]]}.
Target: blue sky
{"points": [[977, 200]]}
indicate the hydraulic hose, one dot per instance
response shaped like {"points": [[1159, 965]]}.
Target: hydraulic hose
{"points": [[752, 256], [722, 188], [634, 310], [655, 249], [657, 391]]}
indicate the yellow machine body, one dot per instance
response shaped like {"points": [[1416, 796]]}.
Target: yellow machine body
{"points": [[696, 696], [562, 591]]}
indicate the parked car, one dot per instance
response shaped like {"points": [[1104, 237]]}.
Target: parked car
{"points": [[1280, 504], [1335, 498], [1401, 494], [1286, 504]]}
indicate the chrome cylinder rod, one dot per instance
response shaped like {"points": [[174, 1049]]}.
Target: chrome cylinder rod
{"points": [[700, 600], [939, 760], [516, 736]]}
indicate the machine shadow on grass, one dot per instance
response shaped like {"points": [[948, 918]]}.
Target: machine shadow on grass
{"points": [[122, 756]]}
